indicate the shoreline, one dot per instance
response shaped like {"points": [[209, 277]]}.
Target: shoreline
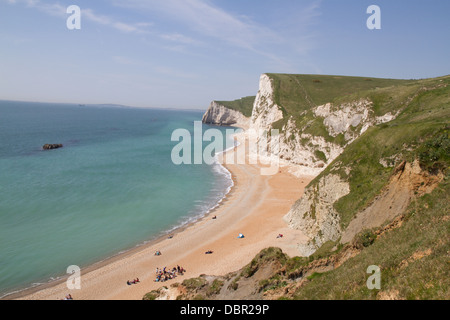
{"points": [[106, 279], [18, 293]]}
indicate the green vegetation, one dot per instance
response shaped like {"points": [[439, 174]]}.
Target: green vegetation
{"points": [[420, 131], [195, 283], [215, 287], [412, 254], [364, 239], [413, 259], [315, 275], [320, 155], [298, 94], [244, 105], [151, 296], [434, 155], [269, 254]]}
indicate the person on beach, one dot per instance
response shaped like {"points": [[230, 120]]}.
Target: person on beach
{"points": [[163, 275]]}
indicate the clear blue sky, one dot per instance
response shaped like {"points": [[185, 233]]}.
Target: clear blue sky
{"points": [[185, 53]]}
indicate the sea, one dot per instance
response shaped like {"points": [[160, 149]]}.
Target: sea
{"points": [[113, 186]]}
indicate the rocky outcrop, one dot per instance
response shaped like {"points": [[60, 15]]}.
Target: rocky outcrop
{"points": [[351, 119], [310, 153], [342, 118], [315, 152], [314, 213], [52, 146], [218, 114], [265, 110]]}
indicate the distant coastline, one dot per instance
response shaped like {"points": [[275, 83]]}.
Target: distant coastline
{"points": [[109, 105]]}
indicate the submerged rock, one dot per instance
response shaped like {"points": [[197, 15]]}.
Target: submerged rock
{"points": [[52, 146]]}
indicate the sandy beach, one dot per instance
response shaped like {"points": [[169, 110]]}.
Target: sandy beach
{"points": [[255, 207]]}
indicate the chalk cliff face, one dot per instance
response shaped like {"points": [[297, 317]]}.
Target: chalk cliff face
{"points": [[309, 152], [315, 215], [313, 153], [265, 110], [351, 119], [220, 115]]}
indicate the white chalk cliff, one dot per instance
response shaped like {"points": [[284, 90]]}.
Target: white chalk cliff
{"points": [[265, 110], [312, 153], [314, 213], [218, 114]]}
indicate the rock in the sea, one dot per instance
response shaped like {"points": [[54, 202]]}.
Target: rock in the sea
{"points": [[52, 146]]}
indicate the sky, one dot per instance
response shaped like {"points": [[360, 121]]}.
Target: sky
{"points": [[186, 53]]}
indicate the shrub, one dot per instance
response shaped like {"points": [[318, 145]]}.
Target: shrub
{"points": [[364, 239]]}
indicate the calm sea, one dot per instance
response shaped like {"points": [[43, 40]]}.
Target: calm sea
{"points": [[112, 187]]}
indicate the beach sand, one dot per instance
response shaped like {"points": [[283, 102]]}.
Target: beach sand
{"points": [[255, 207]]}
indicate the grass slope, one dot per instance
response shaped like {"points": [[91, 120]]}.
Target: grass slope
{"points": [[298, 95], [301, 92], [243, 105], [414, 259], [424, 120]]}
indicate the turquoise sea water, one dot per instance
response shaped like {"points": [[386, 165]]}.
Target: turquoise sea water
{"points": [[113, 186]]}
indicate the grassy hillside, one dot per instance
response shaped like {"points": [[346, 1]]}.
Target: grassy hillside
{"points": [[244, 105], [412, 251], [425, 119], [301, 92], [414, 259], [297, 94]]}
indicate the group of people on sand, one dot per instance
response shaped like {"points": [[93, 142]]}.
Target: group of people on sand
{"points": [[68, 297], [135, 281], [163, 275]]}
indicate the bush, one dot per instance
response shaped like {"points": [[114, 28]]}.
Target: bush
{"points": [[364, 239], [434, 154]]}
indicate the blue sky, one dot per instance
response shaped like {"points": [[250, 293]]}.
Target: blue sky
{"points": [[186, 53]]}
